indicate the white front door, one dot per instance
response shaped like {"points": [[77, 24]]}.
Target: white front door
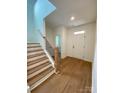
{"points": [[78, 46]]}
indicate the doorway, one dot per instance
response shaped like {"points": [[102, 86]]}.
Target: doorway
{"points": [[58, 44], [76, 46]]}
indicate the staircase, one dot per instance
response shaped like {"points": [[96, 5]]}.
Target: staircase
{"points": [[39, 68]]}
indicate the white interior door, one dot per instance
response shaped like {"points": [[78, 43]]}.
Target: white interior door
{"points": [[78, 46]]}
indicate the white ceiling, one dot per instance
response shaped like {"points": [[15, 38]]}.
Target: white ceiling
{"points": [[84, 11]]}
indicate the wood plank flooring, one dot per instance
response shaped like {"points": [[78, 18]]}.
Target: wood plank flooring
{"points": [[75, 77]]}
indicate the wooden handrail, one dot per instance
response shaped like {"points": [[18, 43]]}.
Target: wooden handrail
{"points": [[57, 63]]}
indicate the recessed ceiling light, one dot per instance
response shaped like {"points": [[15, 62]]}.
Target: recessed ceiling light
{"points": [[72, 18]]}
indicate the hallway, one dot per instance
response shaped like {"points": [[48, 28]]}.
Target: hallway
{"points": [[75, 77]]}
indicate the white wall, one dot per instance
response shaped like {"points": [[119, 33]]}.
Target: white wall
{"points": [[94, 73], [89, 41], [50, 34], [86, 53]]}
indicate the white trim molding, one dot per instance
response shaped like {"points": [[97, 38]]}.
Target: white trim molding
{"points": [[50, 58], [28, 89]]}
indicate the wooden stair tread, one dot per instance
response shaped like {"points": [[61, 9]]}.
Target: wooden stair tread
{"points": [[35, 55], [33, 46], [29, 51], [37, 60], [32, 43], [39, 82], [37, 64], [32, 49], [39, 76], [38, 71], [37, 68]]}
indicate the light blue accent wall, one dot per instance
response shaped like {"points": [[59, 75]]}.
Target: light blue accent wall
{"points": [[37, 10], [30, 20], [42, 8]]}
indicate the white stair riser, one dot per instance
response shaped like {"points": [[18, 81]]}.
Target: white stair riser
{"points": [[31, 49], [33, 53], [37, 64], [35, 58], [39, 71]]}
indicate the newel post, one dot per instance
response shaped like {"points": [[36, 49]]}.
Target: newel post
{"points": [[57, 63]]}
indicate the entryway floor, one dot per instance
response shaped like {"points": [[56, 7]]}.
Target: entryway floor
{"points": [[75, 77]]}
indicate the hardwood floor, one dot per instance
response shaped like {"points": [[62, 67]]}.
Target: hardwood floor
{"points": [[75, 77]]}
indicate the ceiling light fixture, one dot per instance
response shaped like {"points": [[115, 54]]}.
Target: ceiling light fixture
{"points": [[72, 18]]}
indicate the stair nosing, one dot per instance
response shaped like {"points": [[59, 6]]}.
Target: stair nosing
{"points": [[33, 43], [40, 75], [36, 64], [39, 71], [33, 48], [30, 47], [29, 51], [33, 53], [35, 58], [39, 67]]}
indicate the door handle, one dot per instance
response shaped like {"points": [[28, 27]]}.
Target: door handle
{"points": [[73, 46]]}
